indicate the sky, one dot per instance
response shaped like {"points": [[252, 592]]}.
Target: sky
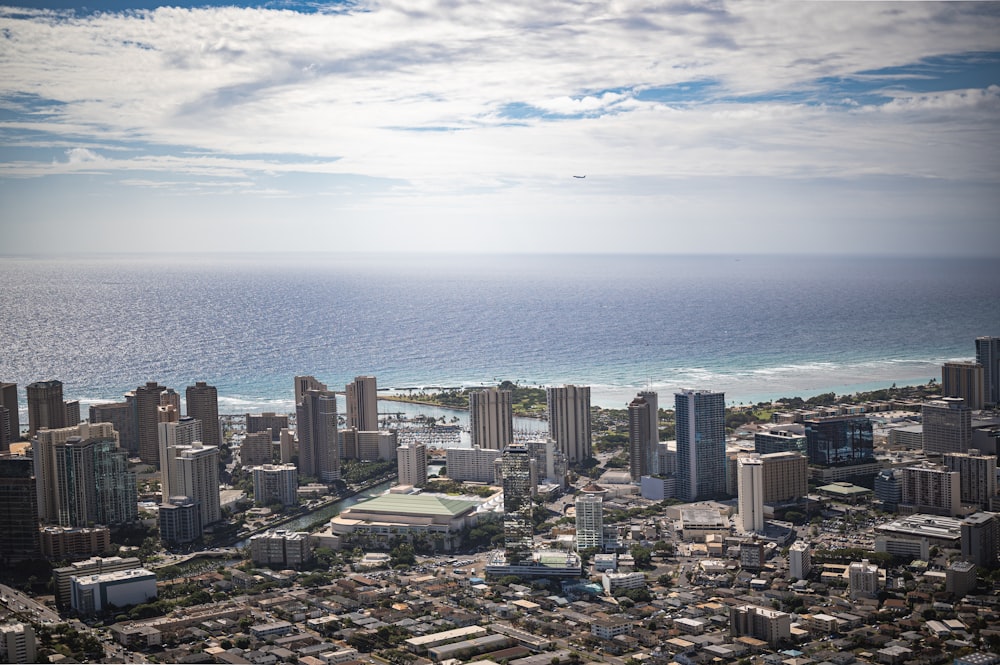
{"points": [[464, 126]]}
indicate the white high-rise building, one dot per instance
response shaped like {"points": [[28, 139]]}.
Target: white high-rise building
{"points": [[569, 420], [863, 579], [491, 418], [977, 476], [750, 493], [589, 521], [362, 403], [929, 488], [198, 479], [412, 464], [174, 436], [947, 425], [275, 482], [472, 465], [17, 643], [799, 560]]}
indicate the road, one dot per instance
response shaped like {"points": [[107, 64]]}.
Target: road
{"points": [[21, 604]]}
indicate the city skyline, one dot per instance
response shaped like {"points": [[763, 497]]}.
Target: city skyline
{"points": [[711, 127]]}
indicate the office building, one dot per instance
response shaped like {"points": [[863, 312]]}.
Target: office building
{"points": [[361, 397], [121, 417], [590, 522], [474, 465], [198, 478], [319, 448], [172, 437], [62, 577], [17, 643], [275, 482], [964, 380], [83, 477], [281, 549], [701, 444], [863, 579], [9, 401], [45, 406], [762, 623], [977, 476], [785, 476], [518, 488], [491, 418], [18, 510], [988, 355], [947, 426], [640, 437], [145, 401], [569, 421], [799, 560], [180, 520], [750, 493], [931, 489], [257, 449], [93, 594], [412, 464], [840, 441], [981, 539], [781, 438], [304, 384], [889, 488], [268, 420], [203, 404]]}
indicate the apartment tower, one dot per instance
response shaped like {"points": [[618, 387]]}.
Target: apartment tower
{"points": [[491, 418], [362, 404], [173, 437], [569, 421], [965, 380], [45, 406], [977, 476], [412, 464], [198, 479], [988, 355], [518, 529], [10, 423], [18, 510], [639, 437], [701, 444], [750, 493], [203, 404], [947, 426], [319, 447], [145, 401]]}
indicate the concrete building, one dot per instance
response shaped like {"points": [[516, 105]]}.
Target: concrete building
{"points": [[180, 520], [960, 578], [319, 447], [122, 418], [772, 626], [93, 594], [62, 577], [474, 464], [840, 441], [977, 476], [550, 463], [275, 482], [286, 445], [988, 355], [701, 444], [379, 522], [614, 582], [589, 522], [929, 488], [10, 430], [304, 384], [750, 493], [60, 543], [569, 420], [964, 380], [947, 426], [981, 539], [203, 404], [785, 476], [257, 449], [17, 643], [45, 406], [280, 548], [362, 404], [174, 436], [781, 438], [491, 418], [863, 579], [889, 488], [799, 560], [641, 431], [518, 488], [369, 446], [18, 510], [145, 402], [198, 478], [411, 463], [266, 421]]}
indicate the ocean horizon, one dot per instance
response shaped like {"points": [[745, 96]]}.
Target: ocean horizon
{"points": [[755, 327]]}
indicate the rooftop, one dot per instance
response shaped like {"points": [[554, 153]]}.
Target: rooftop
{"points": [[416, 504]]}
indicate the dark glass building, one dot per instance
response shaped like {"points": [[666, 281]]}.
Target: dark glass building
{"points": [[840, 441]]}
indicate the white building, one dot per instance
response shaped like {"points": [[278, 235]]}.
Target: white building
{"points": [[863, 579], [287, 549], [929, 488], [799, 560], [172, 437], [613, 582], [275, 482], [361, 397], [589, 522], [198, 478], [474, 464], [411, 461], [17, 643], [92, 594], [977, 476], [750, 492]]}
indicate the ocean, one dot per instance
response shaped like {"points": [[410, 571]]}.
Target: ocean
{"points": [[755, 327]]}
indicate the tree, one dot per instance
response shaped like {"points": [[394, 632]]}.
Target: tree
{"points": [[642, 556]]}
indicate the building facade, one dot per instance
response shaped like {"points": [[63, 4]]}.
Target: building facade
{"points": [[988, 355], [840, 441], [491, 418], [785, 476], [19, 539], [198, 479], [9, 403], [275, 482], [932, 489], [258, 422], [977, 476], [173, 437], [799, 560], [762, 623], [319, 446], [474, 465], [145, 401], [569, 420], [947, 426], [203, 404], [750, 493], [789, 437], [362, 404], [701, 444], [257, 449], [518, 528], [411, 463], [122, 418], [639, 437], [981, 539], [180, 520], [45, 406], [964, 380], [590, 522]]}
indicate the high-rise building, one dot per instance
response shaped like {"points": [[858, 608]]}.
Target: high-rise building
{"points": [[981, 539], [977, 476], [589, 522], [256, 449], [929, 488], [180, 520], [267, 420], [198, 479], [304, 384], [368, 446], [781, 438], [286, 445], [17, 643], [491, 418], [45, 406], [863, 579], [653, 444], [412, 464], [275, 482], [472, 464], [785, 476], [889, 488], [569, 420], [965, 380], [146, 401], [518, 529], [762, 623], [172, 437], [551, 465], [18, 510], [6, 429], [799, 560], [319, 449], [122, 417], [84, 477], [750, 493], [701, 444], [840, 441], [203, 404], [947, 426], [8, 400], [988, 355], [361, 397], [72, 412], [639, 438]]}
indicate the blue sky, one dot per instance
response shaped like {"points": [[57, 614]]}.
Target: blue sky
{"points": [[434, 125]]}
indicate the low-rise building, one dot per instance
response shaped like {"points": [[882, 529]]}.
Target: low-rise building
{"points": [[91, 594]]}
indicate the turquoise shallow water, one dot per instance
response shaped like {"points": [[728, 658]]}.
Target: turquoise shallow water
{"points": [[754, 327]]}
